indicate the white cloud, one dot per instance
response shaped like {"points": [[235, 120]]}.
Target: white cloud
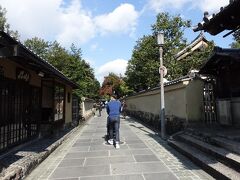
{"points": [[33, 18], [160, 5], [117, 66], [122, 19], [204, 5], [210, 6], [66, 22], [77, 25]]}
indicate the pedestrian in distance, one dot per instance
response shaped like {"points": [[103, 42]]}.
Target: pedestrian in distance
{"points": [[99, 106], [123, 109], [94, 108], [114, 111]]}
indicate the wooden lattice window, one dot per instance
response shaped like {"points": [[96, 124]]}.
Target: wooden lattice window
{"points": [[59, 102]]}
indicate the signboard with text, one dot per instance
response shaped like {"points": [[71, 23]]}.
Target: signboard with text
{"points": [[22, 75]]}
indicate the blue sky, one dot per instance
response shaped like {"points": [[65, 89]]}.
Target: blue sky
{"points": [[105, 30]]}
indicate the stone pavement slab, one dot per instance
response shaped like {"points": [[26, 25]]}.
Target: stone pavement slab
{"points": [[119, 177], [157, 176], [71, 162], [125, 152], [135, 168], [73, 155], [142, 156], [72, 172], [109, 160], [146, 158]]}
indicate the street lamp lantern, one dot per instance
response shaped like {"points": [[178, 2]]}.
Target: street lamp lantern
{"points": [[160, 41], [160, 38]]}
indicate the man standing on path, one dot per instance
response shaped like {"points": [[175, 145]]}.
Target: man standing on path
{"points": [[114, 110]]}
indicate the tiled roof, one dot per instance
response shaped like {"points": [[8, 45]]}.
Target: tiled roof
{"points": [[228, 18], [220, 57], [197, 40], [169, 83]]}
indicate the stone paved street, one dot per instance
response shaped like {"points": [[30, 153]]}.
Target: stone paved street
{"points": [[142, 156]]}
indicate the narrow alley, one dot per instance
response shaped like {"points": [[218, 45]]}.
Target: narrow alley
{"points": [[142, 155]]}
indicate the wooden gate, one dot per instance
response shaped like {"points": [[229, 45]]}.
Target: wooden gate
{"points": [[20, 112], [209, 101]]}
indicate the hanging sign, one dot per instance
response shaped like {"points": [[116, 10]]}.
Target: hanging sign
{"points": [[22, 75]]}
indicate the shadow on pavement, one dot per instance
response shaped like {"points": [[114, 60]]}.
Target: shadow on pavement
{"points": [[155, 135]]}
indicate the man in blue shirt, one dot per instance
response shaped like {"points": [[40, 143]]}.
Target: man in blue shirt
{"points": [[114, 110]]}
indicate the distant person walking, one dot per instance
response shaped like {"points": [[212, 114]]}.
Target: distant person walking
{"points": [[123, 109], [114, 110], [99, 106]]}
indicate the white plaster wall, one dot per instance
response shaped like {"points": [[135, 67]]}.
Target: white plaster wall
{"points": [[147, 102], [87, 107], [175, 102], [183, 100], [194, 101]]}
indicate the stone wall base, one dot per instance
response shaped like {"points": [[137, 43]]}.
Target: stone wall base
{"points": [[173, 124]]}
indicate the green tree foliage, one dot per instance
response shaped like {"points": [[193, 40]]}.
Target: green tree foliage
{"points": [[173, 28], [4, 26], [142, 71], [69, 62], [236, 36], [38, 46]]}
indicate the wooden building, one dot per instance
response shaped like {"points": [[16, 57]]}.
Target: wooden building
{"points": [[34, 95], [223, 65]]}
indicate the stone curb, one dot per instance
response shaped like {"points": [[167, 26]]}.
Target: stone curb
{"points": [[21, 170]]}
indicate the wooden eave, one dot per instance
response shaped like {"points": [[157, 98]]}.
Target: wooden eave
{"points": [[227, 19], [14, 50], [219, 59]]}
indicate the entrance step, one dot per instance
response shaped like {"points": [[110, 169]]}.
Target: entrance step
{"points": [[200, 135], [207, 162], [223, 155], [228, 144]]}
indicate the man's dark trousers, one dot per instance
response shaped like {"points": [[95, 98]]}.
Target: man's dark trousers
{"points": [[114, 123]]}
